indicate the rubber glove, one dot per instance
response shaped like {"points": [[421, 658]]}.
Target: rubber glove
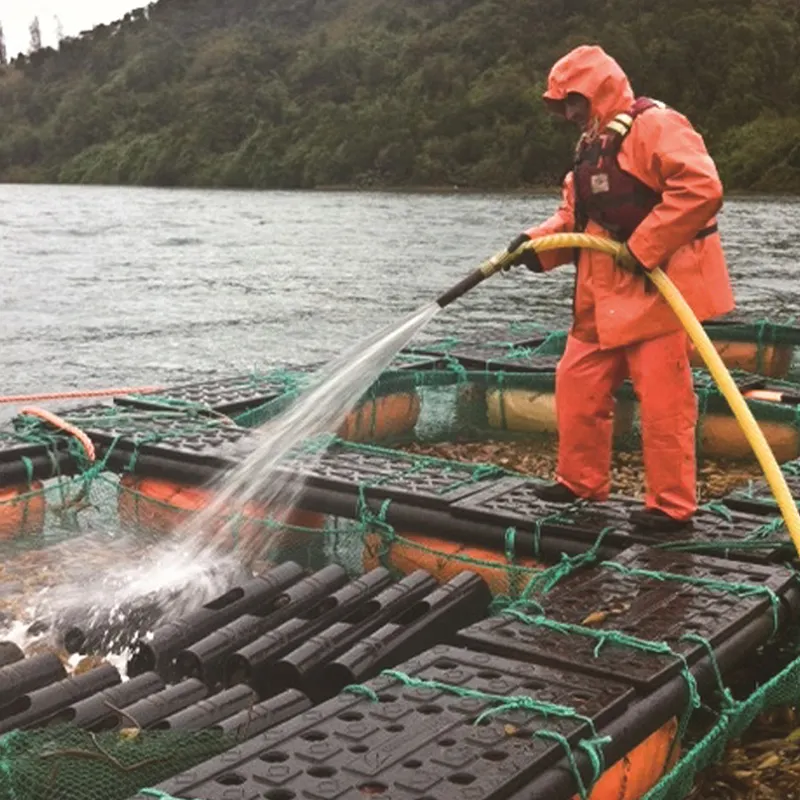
{"points": [[527, 257]]}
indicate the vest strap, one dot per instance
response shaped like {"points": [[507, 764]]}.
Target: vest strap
{"points": [[705, 232]]}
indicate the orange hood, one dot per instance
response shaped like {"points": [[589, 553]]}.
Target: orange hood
{"points": [[590, 71]]}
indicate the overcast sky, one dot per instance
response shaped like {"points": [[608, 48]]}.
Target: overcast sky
{"points": [[75, 16]]}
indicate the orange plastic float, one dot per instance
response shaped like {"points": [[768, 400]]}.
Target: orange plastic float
{"points": [[721, 436], [22, 510], [528, 411], [448, 559], [163, 506], [775, 360], [382, 418], [639, 771]]}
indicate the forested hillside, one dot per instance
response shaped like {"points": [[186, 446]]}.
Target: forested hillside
{"points": [[304, 93]]}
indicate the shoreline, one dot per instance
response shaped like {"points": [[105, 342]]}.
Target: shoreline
{"points": [[520, 191]]}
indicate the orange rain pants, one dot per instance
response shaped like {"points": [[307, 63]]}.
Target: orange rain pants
{"points": [[586, 379]]}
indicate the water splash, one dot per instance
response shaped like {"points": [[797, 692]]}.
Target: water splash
{"points": [[190, 569], [321, 409]]}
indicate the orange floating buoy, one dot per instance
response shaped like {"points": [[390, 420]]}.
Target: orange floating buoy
{"points": [[163, 506], [640, 770], [22, 510], [721, 436], [529, 411], [774, 362], [445, 559], [382, 418]]}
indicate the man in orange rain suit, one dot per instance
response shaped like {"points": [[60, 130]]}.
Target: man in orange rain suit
{"points": [[643, 176]]}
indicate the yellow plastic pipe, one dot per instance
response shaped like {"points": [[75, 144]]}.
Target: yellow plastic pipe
{"points": [[718, 370]]}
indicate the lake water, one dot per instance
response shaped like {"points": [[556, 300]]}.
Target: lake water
{"points": [[108, 286]]}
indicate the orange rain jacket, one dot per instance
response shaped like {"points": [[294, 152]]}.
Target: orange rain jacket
{"points": [[663, 151]]}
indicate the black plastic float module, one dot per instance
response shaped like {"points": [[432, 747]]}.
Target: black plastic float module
{"points": [[176, 435], [10, 653], [757, 497], [393, 475], [244, 664], [27, 675], [263, 716], [156, 652], [432, 515], [23, 461], [405, 742], [514, 502], [433, 620], [27, 710], [301, 668], [648, 608], [207, 712], [155, 707], [92, 630], [655, 709], [205, 659], [488, 357], [98, 712], [222, 396]]}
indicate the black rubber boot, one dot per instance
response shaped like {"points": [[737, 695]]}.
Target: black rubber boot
{"points": [[656, 520], [556, 492]]}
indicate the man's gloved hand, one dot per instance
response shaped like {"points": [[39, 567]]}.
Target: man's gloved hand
{"points": [[627, 261], [527, 257]]}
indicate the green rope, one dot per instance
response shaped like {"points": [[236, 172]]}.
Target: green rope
{"points": [[739, 589], [623, 640], [546, 580]]}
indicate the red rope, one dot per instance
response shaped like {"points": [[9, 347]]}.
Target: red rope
{"points": [[56, 421], [28, 398]]}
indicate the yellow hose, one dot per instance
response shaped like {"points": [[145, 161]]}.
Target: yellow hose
{"points": [[762, 450]]}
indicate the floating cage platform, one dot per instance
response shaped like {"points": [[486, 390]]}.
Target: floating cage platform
{"points": [[412, 626]]}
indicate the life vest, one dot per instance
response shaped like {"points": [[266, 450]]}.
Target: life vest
{"points": [[604, 192]]}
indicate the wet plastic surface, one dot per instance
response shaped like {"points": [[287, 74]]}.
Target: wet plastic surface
{"points": [[488, 356], [265, 715], [757, 498], [289, 631], [96, 713], [206, 658], [431, 621], [145, 713], [603, 599], [513, 501], [175, 435], [157, 651], [225, 396], [27, 710], [27, 675], [21, 460], [393, 475], [413, 742], [302, 668]]}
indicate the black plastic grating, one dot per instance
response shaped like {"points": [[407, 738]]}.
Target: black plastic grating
{"points": [[179, 435], [395, 475], [413, 742], [488, 356], [13, 446], [757, 498], [604, 599], [513, 501], [224, 396]]}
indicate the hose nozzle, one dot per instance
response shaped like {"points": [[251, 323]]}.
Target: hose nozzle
{"points": [[485, 270]]}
